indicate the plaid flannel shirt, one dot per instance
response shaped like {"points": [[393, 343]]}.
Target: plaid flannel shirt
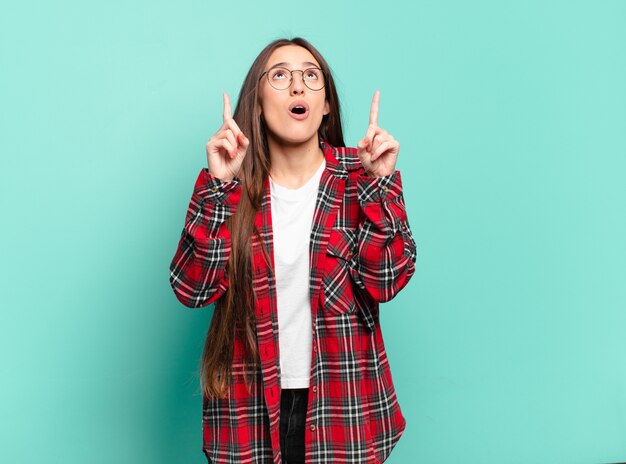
{"points": [[361, 253]]}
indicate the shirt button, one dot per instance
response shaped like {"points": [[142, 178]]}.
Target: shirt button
{"points": [[315, 348], [314, 388], [213, 189], [312, 427], [384, 189]]}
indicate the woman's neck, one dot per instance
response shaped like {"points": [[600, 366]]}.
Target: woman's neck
{"points": [[293, 165]]}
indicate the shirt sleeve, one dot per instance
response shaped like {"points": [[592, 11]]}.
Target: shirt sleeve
{"points": [[386, 248], [198, 269]]}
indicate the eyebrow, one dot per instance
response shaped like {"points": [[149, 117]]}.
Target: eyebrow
{"points": [[305, 63]]}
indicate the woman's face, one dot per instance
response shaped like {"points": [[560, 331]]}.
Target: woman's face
{"points": [[282, 123]]}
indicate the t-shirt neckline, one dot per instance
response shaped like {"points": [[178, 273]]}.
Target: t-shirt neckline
{"points": [[285, 193]]}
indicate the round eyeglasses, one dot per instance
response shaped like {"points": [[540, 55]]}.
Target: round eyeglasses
{"points": [[281, 78]]}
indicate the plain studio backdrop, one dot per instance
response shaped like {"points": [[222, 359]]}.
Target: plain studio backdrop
{"points": [[509, 343]]}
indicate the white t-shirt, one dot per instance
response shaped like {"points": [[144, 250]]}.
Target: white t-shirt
{"points": [[292, 219]]}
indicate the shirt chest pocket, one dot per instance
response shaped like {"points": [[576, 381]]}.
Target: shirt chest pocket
{"points": [[338, 291]]}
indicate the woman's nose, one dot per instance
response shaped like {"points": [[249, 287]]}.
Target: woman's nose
{"points": [[297, 83]]}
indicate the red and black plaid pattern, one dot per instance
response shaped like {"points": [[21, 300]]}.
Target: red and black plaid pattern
{"points": [[362, 253]]}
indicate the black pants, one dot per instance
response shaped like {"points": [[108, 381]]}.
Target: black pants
{"points": [[293, 404]]}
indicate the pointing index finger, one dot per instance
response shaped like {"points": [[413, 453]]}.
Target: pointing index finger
{"points": [[227, 109], [374, 109]]}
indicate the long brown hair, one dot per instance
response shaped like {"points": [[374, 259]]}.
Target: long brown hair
{"points": [[234, 312]]}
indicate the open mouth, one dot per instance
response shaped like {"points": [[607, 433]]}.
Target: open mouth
{"points": [[299, 109]]}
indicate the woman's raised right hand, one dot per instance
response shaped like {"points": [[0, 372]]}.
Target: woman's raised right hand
{"points": [[226, 150]]}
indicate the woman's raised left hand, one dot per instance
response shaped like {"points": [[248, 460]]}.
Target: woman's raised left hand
{"points": [[378, 150]]}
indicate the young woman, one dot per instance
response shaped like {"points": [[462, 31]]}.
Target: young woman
{"points": [[297, 239]]}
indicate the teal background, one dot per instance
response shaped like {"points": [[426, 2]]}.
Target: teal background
{"points": [[509, 343]]}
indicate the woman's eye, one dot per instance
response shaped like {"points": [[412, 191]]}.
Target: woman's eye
{"points": [[311, 76], [278, 75]]}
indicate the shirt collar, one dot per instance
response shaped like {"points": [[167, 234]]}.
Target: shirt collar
{"points": [[332, 164]]}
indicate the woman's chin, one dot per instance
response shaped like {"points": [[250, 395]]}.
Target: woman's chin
{"points": [[295, 137]]}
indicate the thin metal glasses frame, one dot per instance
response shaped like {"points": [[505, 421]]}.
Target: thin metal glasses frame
{"points": [[266, 73]]}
